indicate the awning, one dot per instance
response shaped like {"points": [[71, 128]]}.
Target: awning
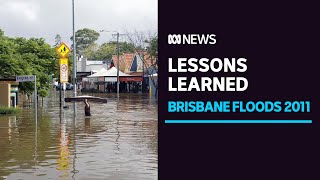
{"points": [[112, 72], [99, 73]]}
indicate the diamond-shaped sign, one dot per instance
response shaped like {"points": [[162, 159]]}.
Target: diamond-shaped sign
{"points": [[63, 50]]}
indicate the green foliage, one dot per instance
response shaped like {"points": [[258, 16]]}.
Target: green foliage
{"points": [[21, 56], [152, 47], [125, 47], [9, 110], [1, 33], [85, 38], [57, 40], [43, 93], [106, 50], [85, 45], [90, 51]]}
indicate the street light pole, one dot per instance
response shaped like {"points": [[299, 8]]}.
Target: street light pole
{"points": [[74, 62], [118, 52], [74, 54], [118, 80]]}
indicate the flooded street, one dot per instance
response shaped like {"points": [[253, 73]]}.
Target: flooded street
{"points": [[119, 140]]}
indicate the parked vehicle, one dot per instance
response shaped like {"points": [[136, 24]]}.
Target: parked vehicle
{"points": [[68, 86]]}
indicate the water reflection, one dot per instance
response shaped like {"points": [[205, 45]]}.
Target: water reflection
{"points": [[64, 153], [118, 142]]}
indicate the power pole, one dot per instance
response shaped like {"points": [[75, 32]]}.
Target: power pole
{"points": [[118, 51], [74, 62], [74, 54], [60, 93], [142, 84], [118, 64], [118, 79]]}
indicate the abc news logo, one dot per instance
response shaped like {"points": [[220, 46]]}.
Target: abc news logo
{"points": [[192, 39]]}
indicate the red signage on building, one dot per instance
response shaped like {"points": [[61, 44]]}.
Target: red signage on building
{"points": [[131, 79]]}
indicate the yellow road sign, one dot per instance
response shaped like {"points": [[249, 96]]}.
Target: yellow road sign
{"points": [[63, 50], [64, 70]]}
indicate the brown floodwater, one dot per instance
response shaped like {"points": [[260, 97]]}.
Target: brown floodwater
{"points": [[119, 140]]}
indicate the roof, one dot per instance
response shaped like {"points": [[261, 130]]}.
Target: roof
{"points": [[129, 61], [112, 72], [7, 79], [10, 80], [95, 67], [90, 62], [136, 73], [99, 73]]}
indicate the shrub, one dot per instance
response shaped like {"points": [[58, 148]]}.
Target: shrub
{"points": [[9, 110]]}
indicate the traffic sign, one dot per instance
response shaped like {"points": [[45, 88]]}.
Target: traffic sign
{"points": [[63, 50], [63, 70], [26, 78]]}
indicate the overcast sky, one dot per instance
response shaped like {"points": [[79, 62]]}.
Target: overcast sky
{"points": [[46, 18]]}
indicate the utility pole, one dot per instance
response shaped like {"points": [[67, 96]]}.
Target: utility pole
{"points": [[60, 92], [142, 84], [118, 80], [35, 99], [74, 61], [74, 54], [118, 64]]}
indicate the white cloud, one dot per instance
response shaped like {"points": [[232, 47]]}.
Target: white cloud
{"points": [[46, 18], [20, 10]]}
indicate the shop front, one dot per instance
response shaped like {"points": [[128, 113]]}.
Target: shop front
{"points": [[8, 92]]}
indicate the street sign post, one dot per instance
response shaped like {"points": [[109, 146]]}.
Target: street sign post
{"points": [[63, 50], [26, 78], [64, 67], [64, 93], [30, 78], [63, 75]]}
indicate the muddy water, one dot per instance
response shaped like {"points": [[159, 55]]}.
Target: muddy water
{"points": [[119, 140]]}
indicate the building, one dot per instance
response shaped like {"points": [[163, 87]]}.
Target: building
{"points": [[99, 76], [8, 92], [87, 67], [132, 62], [134, 65]]}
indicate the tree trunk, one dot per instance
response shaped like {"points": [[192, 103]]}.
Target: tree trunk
{"points": [[42, 101]]}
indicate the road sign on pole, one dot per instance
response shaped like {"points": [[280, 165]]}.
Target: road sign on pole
{"points": [[28, 78], [63, 50], [64, 94], [64, 70]]}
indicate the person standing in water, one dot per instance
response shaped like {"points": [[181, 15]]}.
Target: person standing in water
{"points": [[86, 108]]}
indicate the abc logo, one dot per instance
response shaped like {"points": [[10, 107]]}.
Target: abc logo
{"points": [[174, 39], [192, 39]]}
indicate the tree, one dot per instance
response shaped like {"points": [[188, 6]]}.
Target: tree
{"points": [[21, 56], [90, 51], [57, 40], [1, 33], [125, 47], [152, 48], [149, 42], [43, 93], [84, 38], [106, 50]]}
